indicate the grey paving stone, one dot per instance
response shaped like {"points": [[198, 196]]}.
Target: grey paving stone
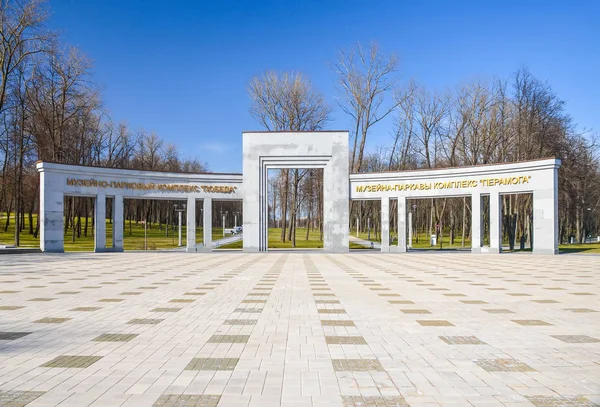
{"points": [[145, 321], [69, 361], [240, 322], [115, 337], [10, 336], [14, 398], [357, 365], [331, 322], [345, 340], [187, 400], [576, 338], [374, 401], [503, 365], [52, 320], [212, 364], [229, 339], [462, 340], [531, 322]]}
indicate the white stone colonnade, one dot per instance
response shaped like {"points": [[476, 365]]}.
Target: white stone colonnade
{"points": [[60, 180], [538, 177], [328, 150]]}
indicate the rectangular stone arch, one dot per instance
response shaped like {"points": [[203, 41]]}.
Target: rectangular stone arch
{"points": [[278, 150]]}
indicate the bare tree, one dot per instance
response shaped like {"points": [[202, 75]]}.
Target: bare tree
{"points": [[288, 102], [366, 79]]}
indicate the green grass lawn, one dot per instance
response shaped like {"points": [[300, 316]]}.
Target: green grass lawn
{"points": [[587, 248], [157, 239], [365, 236], [313, 241], [133, 238]]}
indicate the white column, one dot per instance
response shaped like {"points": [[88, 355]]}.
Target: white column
{"points": [[545, 217], [179, 227], [52, 238], [410, 230], [118, 223], [207, 224], [191, 225], [385, 224], [495, 223], [402, 225], [100, 223], [476, 222]]}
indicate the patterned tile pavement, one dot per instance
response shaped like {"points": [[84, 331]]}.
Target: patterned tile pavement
{"points": [[299, 329]]}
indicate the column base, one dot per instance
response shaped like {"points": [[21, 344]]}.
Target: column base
{"points": [[545, 251], [486, 250], [191, 249], [397, 249]]}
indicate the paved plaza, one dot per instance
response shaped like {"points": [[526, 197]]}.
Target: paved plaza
{"points": [[299, 329]]}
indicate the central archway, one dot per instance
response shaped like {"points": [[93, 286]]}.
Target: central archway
{"points": [[264, 151]]}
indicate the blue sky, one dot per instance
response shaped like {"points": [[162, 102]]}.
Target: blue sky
{"points": [[181, 68]]}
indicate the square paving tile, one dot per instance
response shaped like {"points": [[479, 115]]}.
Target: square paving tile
{"points": [[52, 320], [240, 322], [115, 337], [249, 310], [332, 322], [345, 340], [67, 361], [531, 322], [503, 365], [212, 364], [187, 400], [415, 311], [86, 309], [560, 401], [400, 302], [14, 398], [10, 336], [357, 365], [229, 339], [580, 310], [331, 311], [576, 338], [374, 401], [498, 311], [435, 323], [462, 340], [145, 321], [163, 309]]}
